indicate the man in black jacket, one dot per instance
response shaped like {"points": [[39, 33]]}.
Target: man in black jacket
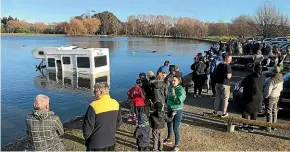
{"points": [[158, 119], [148, 93], [252, 94], [101, 120], [198, 75]]}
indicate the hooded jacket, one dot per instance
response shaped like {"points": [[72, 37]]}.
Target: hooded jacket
{"points": [[253, 92], [274, 86], [158, 119], [136, 94], [160, 89], [44, 129], [141, 132]]}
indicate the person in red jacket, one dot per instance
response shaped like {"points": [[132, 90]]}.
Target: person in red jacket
{"points": [[136, 95]]}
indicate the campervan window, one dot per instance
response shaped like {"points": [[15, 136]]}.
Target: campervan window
{"points": [[52, 76], [40, 53], [84, 83], [100, 61], [83, 62], [101, 79], [65, 60], [51, 62]]}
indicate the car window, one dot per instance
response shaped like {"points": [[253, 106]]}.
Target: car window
{"points": [[286, 81]]}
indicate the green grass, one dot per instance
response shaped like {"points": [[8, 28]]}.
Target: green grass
{"points": [[220, 38]]}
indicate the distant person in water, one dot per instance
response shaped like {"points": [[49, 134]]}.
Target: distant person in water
{"points": [[101, 120], [44, 126], [164, 68]]}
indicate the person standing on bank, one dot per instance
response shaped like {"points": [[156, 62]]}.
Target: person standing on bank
{"points": [[213, 65], [101, 120], [198, 76], [141, 132], [158, 120], [223, 76], [44, 127], [175, 101], [272, 93], [252, 94], [148, 93], [164, 68], [160, 89]]}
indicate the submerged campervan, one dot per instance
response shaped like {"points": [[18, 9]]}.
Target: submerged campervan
{"points": [[73, 59], [71, 82]]}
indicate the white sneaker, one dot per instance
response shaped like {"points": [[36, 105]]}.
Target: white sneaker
{"points": [[224, 115]]}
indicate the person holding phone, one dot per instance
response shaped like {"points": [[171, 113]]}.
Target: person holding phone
{"points": [[175, 99]]}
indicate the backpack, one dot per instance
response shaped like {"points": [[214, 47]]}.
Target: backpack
{"points": [[213, 64]]}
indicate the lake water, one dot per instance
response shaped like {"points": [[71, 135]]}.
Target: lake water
{"points": [[129, 56]]}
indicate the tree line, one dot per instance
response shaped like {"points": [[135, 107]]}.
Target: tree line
{"points": [[267, 22]]}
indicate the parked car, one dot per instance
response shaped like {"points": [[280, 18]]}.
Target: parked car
{"points": [[279, 40], [285, 47], [284, 101], [267, 40]]}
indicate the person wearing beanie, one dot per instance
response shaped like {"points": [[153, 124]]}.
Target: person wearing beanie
{"points": [[252, 95], [141, 132], [272, 93], [158, 119]]}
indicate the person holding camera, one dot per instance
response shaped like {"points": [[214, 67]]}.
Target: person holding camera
{"points": [[175, 99]]}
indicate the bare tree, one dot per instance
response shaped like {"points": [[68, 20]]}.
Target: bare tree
{"points": [[267, 20], [243, 26]]}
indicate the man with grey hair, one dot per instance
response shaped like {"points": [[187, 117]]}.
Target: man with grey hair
{"points": [[101, 120], [44, 127], [272, 92]]}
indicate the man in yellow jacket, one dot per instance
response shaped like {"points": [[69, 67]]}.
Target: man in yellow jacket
{"points": [[101, 120]]}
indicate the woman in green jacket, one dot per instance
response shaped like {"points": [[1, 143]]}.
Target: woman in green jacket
{"points": [[175, 99]]}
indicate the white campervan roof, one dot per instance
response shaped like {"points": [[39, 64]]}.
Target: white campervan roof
{"points": [[73, 58]]}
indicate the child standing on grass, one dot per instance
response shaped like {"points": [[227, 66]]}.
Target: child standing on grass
{"points": [[141, 132], [158, 119], [136, 95]]}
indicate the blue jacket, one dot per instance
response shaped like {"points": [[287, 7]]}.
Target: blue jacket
{"points": [[163, 68], [214, 63]]}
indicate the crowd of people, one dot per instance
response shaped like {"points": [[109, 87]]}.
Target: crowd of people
{"points": [[157, 102], [149, 98]]}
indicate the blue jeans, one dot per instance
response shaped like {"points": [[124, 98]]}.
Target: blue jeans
{"points": [[174, 125]]}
